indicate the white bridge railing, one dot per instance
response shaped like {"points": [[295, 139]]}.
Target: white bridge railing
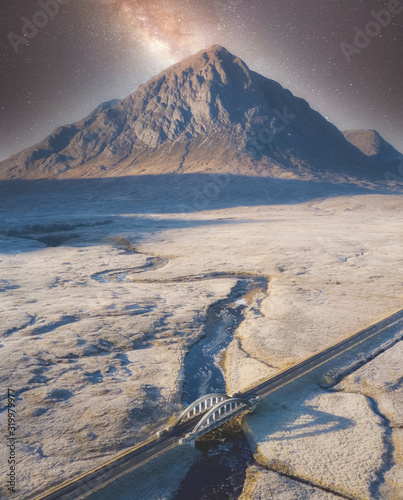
{"points": [[216, 409], [200, 406]]}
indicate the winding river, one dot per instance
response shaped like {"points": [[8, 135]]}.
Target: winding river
{"points": [[220, 472]]}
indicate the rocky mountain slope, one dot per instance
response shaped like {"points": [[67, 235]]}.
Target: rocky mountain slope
{"points": [[372, 144], [208, 113]]}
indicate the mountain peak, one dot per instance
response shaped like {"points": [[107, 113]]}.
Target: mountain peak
{"points": [[215, 64], [209, 112], [215, 52], [371, 143], [206, 92], [216, 49]]}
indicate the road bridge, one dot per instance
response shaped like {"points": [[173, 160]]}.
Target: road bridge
{"points": [[213, 410], [207, 413]]}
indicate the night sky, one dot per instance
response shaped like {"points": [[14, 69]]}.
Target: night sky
{"points": [[91, 51]]}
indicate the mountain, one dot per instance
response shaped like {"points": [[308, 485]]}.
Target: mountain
{"points": [[373, 145], [207, 113]]}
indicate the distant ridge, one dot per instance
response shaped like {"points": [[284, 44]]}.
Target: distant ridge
{"points": [[372, 144]]}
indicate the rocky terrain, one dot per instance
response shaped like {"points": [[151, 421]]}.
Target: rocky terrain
{"points": [[338, 442], [208, 113], [381, 382], [372, 144]]}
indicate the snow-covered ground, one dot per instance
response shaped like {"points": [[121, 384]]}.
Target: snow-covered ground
{"points": [[381, 381], [98, 366], [262, 484]]}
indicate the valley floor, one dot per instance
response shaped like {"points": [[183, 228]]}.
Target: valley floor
{"points": [[97, 366]]}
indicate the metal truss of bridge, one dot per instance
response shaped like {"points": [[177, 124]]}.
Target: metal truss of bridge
{"points": [[200, 406], [215, 409]]}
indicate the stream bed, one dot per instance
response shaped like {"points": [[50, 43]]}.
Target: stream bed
{"points": [[203, 374], [220, 472]]}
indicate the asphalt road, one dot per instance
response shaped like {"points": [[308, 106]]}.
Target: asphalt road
{"points": [[132, 459], [99, 477], [307, 365]]}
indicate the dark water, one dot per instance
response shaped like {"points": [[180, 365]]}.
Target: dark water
{"points": [[202, 371], [220, 472], [151, 264]]}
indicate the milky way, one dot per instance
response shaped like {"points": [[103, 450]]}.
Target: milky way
{"points": [[168, 30], [344, 57]]}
